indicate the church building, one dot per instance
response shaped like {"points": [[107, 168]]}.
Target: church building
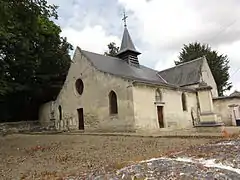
{"points": [[114, 94]]}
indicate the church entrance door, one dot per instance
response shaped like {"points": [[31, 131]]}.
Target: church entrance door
{"points": [[80, 119], [160, 116]]}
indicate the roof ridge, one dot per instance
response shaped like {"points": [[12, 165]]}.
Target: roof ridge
{"points": [[98, 53], [149, 68], [142, 73], [120, 68], [182, 64], [115, 58]]}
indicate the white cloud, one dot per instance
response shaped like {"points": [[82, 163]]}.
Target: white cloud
{"points": [[93, 39], [85, 24], [159, 28], [169, 23], [232, 50], [165, 25], [168, 62], [162, 21]]}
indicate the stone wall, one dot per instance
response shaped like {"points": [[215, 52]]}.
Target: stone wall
{"points": [[25, 126], [145, 108], [94, 100], [45, 112], [221, 108], [208, 78]]}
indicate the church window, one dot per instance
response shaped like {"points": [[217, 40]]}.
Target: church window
{"points": [[184, 102], [113, 107], [158, 95], [79, 86], [60, 112]]}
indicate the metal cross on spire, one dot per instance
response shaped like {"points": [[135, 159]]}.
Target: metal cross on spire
{"points": [[124, 19]]}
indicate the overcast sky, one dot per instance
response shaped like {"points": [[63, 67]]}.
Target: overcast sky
{"points": [[159, 28]]}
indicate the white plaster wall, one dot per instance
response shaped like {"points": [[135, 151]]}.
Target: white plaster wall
{"points": [[208, 78], [174, 117], [94, 100], [221, 108], [145, 112], [205, 101]]}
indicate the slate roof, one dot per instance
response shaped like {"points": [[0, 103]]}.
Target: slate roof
{"points": [[127, 44], [187, 73], [184, 74], [235, 94], [118, 67], [231, 96]]}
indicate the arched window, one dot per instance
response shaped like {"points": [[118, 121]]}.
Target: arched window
{"points": [[113, 107], [158, 95], [184, 102], [60, 112]]}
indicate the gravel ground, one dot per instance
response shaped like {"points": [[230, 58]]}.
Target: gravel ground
{"points": [[214, 161], [85, 157]]}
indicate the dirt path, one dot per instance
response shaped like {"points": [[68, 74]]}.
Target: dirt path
{"points": [[51, 156]]}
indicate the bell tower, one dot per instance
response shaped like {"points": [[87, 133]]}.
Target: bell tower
{"points": [[127, 50]]}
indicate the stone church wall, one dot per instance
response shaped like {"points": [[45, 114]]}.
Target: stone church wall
{"points": [[145, 109], [208, 78], [94, 100], [45, 112], [221, 108]]}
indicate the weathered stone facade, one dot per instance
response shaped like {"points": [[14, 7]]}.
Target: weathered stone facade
{"points": [[94, 100], [137, 106], [208, 78], [145, 107], [224, 107], [103, 93]]}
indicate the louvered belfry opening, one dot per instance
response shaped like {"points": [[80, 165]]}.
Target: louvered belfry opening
{"points": [[127, 50], [130, 57]]}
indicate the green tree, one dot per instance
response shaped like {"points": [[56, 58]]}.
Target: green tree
{"points": [[219, 64], [34, 58], [112, 49]]}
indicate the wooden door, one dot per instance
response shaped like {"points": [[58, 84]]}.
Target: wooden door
{"points": [[80, 119], [160, 116]]}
